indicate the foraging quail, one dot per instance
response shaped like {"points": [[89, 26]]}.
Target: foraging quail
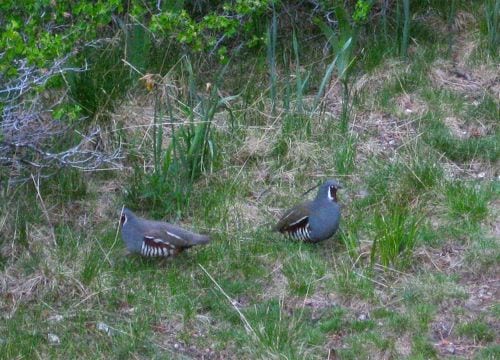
{"points": [[316, 220], [155, 238]]}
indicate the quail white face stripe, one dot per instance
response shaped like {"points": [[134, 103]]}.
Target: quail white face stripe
{"points": [[331, 193]]}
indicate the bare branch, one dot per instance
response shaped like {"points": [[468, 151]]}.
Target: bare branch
{"points": [[29, 135]]}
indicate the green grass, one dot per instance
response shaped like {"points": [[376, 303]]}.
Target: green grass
{"points": [[416, 238], [439, 137], [468, 201], [477, 330], [395, 236]]}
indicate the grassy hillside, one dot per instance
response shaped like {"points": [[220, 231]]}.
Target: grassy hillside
{"points": [[413, 272]]}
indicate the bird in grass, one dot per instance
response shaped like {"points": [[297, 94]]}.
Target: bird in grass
{"points": [[314, 220], [156, 238]]}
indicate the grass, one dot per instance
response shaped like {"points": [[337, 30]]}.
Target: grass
{"points": [[417, 249], [467, 201], [395, 236], [477, 330]]}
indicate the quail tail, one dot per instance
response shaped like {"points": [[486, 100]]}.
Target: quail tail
{"points": [[198, 239]]}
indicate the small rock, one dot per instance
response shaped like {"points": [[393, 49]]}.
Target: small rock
{"points": [[363, 193], [104, 328], [363, 317], [176, 346], [53, 339], [450, 348], [56, 318]]}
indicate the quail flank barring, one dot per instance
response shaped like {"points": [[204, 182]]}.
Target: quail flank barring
{"points": [[155, 238], [316, 220]]}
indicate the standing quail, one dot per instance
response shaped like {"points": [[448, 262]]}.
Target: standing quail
{"points": [[155, 238], [316, 220]]}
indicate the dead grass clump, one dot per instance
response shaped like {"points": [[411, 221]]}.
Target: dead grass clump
{"points": [[403, 345], [448, 77], [138, 115], [257, 145], [137, 121], [333, 98], [373, 82], [276, 283], [35, 270], [383, 135], [411, 104], [466, 129], [245, 214], [463, 21], [474, 169], [19, 287], [471, 82], [301, 153], [167, 336], [104, 208], [448, 259]]}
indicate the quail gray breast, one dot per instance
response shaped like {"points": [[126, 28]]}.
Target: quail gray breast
{"points": [[315, 220], [156, 238]]}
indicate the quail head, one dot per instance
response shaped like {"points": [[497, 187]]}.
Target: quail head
{"points": [[316, 220], [156, 238]]}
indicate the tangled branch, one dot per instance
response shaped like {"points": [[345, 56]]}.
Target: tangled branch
{"points": [[30, 138]]}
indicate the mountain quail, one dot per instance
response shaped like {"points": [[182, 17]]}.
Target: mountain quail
{"points": [[155, 238], [316, 220]]}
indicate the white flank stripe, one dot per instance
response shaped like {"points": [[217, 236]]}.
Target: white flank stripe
{"points": [[296, 222], [174, 235]]}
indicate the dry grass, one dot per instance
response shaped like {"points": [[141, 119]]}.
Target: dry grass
{"points": [[330, 303]]}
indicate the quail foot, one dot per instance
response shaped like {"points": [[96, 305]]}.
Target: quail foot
{"points": [[316, 220], [156, 238]]}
